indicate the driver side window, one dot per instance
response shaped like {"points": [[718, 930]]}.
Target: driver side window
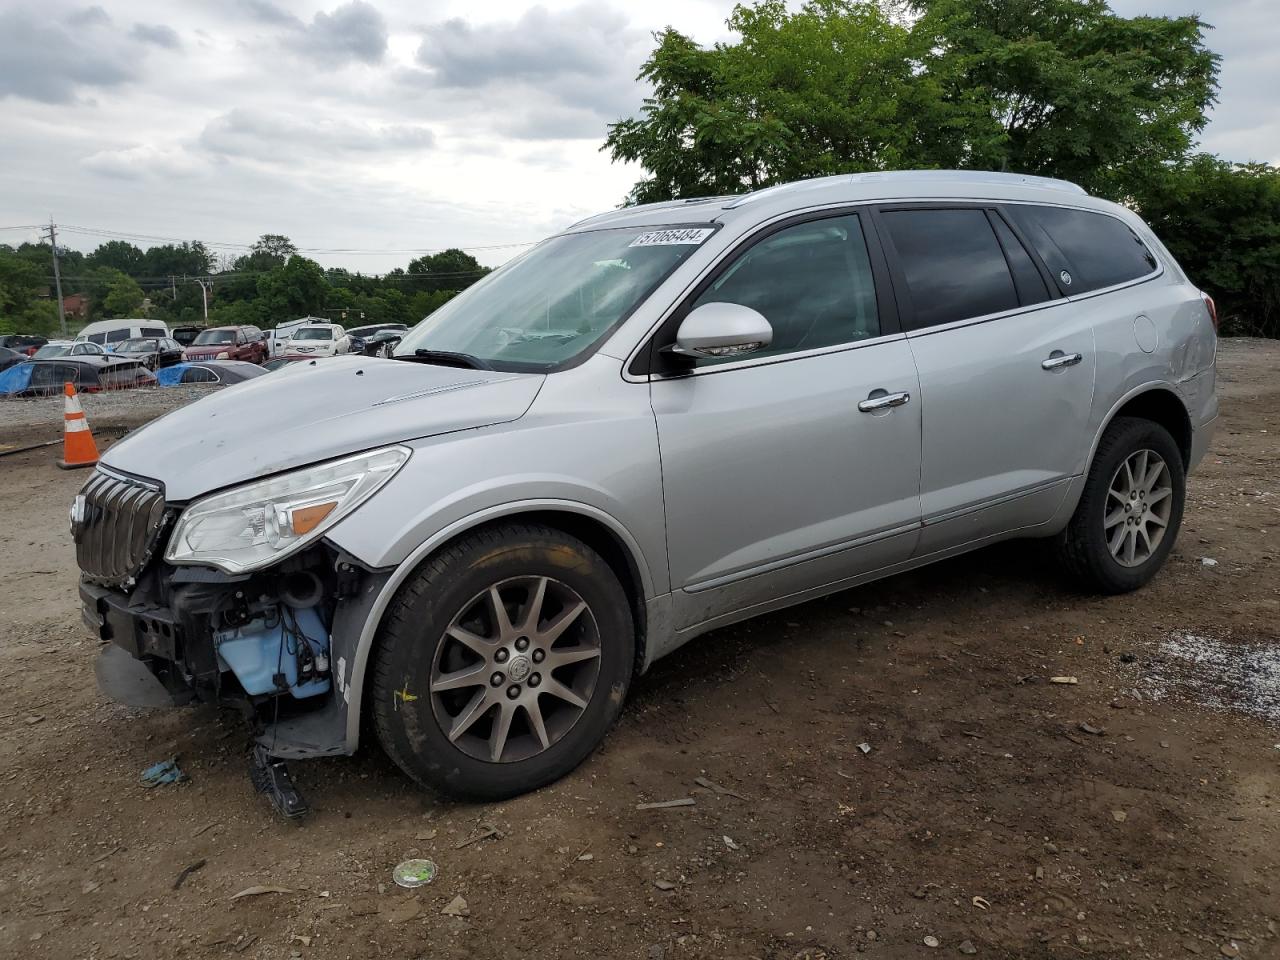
{"points": [[811, 281]]}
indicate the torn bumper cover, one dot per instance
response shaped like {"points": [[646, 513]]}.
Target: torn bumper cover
{"points": [[279, 643]]}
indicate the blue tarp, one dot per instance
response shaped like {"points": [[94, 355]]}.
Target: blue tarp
{"points": [[171, 376], [16, 378]]}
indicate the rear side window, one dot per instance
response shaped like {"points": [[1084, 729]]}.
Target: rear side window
{"points": [[117, 336], [1026, 277], [1084, 250], [98, 338], [154, 332], [953, 265], [198, 375]]}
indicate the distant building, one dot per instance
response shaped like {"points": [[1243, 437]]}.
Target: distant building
{"points": [[76, 305]]}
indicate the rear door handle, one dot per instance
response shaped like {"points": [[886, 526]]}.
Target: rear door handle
{"points": [[879, 400], [1059, 359]]}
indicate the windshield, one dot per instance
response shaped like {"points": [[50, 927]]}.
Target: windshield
{"points": [[558, 301], [214, 337], [138, 346], [313, 333], [52, 350]]}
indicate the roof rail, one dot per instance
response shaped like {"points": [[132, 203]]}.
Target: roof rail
{"points": [[926, 176]]}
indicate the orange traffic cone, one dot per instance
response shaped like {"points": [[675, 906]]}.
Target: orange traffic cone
{"points": [[78, 448]]}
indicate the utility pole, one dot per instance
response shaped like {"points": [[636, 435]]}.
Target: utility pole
{"points": [[57, 277]]}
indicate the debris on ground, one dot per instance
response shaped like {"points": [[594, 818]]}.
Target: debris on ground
{"points": [[932, 941], [487, 830], [729, 842], [864, 747], [259, 890], [1119, 816], [414, 873], [967, 947], [1089, 728], [162, 773], [1069, 681], [717, 789], [664, 885], [457, 907], [1208, 562], [665, 804], [188, 871]]}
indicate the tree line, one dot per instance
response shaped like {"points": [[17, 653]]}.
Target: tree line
{"points": [[1059, 88], [270, 283]]}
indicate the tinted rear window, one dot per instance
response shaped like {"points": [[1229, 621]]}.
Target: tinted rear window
{"points": [[952, 264], [1096, 250]]}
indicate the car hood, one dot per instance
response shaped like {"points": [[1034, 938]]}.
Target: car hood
{"points": [[309, 412]]}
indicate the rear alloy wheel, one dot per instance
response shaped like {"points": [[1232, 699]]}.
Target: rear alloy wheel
{"points": [[1129, 513], [502, 662]]}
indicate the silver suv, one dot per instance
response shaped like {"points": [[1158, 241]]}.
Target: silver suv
{"points": [[663, 420]]}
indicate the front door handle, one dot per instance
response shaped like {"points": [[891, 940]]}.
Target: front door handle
{"points": [[1059, 359], [879, 400]]}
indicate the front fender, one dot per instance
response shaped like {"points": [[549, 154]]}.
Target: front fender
{"points": [[351, 668]]}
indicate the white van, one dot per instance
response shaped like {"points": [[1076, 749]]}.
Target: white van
{"points": [[107, 333]]}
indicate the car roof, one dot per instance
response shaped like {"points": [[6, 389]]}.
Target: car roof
{"points": [[92, 360], [847, 188]]}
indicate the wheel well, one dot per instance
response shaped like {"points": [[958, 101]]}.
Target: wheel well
{"points": [[1162, 407]]}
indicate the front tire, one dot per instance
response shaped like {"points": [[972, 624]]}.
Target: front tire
{"points": [[1129, 514], [502, 663]]}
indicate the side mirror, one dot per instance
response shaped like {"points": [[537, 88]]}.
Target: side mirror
{"points": [[715, 331]]}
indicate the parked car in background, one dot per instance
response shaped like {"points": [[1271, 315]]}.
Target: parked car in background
{"points": [[186, 333], [8, 357], [367, 331], [314, 340], [209, 371], [22, 342], [155, 352], [228, 343], [666, 419], [68, 348], [108, 333], [39, 378], [382, 343]]}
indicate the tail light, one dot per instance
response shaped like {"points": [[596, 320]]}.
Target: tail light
{"points": [[1213, 310]]}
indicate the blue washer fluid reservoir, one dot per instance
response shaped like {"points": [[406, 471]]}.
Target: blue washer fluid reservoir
{"points": [[268, 645]]}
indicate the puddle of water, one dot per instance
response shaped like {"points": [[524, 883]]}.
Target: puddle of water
{"points": [[1234, 675]]}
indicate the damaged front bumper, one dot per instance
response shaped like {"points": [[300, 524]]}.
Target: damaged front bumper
{"points": [[278, 643]]}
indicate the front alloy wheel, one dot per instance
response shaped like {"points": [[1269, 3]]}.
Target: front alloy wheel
{"points": [[516, 669], [502, 662]]}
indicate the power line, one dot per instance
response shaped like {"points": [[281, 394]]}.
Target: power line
{"points": [[224, 245]]}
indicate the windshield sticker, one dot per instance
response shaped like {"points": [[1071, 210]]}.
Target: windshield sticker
{"points": [[664, 238]]}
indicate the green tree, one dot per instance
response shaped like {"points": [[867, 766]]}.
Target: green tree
{"points": [[296, 289], [178, 260], [1222, 222], [1067, 88], [21, 281], [451, 269], [123, 297], [117, 255], [1055, 87], [271, 250]]}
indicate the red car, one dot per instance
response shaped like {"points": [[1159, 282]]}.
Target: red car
{"points": [[227, 343]]}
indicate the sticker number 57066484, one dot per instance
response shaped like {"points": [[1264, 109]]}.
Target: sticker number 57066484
{"points": [[659, 238]]}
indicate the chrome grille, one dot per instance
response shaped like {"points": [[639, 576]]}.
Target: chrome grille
{"points": [[116, 525]]}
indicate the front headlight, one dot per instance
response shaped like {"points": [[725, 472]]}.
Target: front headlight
{"points": [[262, 522]]}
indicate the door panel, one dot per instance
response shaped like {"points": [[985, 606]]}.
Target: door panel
{"points": [[999, 428], [775, 481]]}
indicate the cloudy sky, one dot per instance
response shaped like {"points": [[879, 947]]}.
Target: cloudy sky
{"points": [[365, 129]]}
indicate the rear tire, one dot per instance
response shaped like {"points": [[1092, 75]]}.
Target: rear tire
{"points": [[487, 698], [1129, 513]]}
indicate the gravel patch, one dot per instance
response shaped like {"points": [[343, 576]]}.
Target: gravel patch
{"points": [[1220, 674], [37, 416]]}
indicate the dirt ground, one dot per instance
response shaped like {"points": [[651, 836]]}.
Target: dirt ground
{"points": [[1131, 814]]}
